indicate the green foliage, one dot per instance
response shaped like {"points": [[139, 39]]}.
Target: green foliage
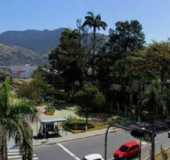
{"points": [[68, 59], [50, 110], [153, 61], [14, 114], [96, 23], [89, 99], [34, 90], [153, 100], [68, 51], [75, 124], [125, 38], [118, 120]]}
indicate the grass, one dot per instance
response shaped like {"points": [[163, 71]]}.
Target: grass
{"points": [[98, 126], [159, 156]]}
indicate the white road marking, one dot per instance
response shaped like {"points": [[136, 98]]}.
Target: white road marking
{"points": [[14, 154], [68, 151]]}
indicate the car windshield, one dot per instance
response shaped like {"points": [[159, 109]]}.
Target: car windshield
{"points": [[124, 148]]}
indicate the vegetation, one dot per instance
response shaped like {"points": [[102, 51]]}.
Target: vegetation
{"points": [[122, 76], [14, 114], [90, 100], [15, 55], [68, 60], [126, 72], [50, 110], [75, 125], [34, 90]]}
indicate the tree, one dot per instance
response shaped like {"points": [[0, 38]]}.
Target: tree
{"points": [[14, 114], [126, 38], [27, 89], [68, 59], [153, 101], [95, 22], [90, 100], [152, 62]]}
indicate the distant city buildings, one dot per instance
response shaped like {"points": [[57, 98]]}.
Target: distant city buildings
{"points": [[23, 72]]}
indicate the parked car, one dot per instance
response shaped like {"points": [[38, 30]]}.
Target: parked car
{"points": [[95, 156], [131, 149]]}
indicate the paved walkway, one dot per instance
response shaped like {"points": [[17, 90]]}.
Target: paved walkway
{"points": [[72, 137]]}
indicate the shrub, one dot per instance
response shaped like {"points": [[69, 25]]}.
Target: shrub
{"points": [[50, 110], [76, 124]]}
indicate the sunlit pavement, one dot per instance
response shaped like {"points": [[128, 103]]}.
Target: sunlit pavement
{"points": [[75, 150]]}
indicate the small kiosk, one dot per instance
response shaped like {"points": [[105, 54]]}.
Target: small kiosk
{"points": [[50, 127]]}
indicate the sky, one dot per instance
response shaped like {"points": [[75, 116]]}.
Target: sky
{"points": [[154, 15]]}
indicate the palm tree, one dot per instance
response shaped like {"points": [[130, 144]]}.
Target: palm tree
{"points": [[14, 116], [95, 22]]}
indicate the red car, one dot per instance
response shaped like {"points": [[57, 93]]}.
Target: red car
{"points": [[130, 149]]}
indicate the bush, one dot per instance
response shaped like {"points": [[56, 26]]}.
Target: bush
{"points": [[50, 110], [76, 124], [118, 120]]}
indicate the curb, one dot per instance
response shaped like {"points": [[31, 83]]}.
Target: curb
{"points": [[67, 139]]}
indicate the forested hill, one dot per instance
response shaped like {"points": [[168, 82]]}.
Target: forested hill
{"points": [[36, 40], [19, 56]]}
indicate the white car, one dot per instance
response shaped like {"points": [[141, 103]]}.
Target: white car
{"points": [[95, 156]]}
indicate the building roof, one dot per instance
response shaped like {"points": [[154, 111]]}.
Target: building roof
{"points": [[51, 120]]}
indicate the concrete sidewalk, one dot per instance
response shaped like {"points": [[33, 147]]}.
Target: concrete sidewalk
{"points": [[87, 134]]}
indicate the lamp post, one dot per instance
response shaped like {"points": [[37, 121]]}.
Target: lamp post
{"points": [[139, 133], [106, 137]]}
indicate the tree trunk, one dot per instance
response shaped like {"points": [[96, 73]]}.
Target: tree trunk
{"points": [[94, 40], [87, 116], [94, 50], [3, 144]]}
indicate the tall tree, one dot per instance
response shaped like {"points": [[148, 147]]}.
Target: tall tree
{"points": [[152, 62], [90, 100], [153, 100], [96, 23], [68, 59], [14, 114], [127, 37]]}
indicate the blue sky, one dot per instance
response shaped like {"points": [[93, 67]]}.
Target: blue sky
{"points": [[51, 14]]}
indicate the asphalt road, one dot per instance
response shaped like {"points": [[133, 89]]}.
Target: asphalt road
{"points": [[82, 147], [75, 150]]}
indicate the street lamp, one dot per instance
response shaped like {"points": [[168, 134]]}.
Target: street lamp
{"points": [[106, 137]]}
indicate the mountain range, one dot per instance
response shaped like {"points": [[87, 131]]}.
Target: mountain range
{"points": [[36, 40], [27, 47], [31, 46], [16, 55]]}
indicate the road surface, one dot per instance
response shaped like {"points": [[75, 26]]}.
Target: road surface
{"points": [[75, 150]]}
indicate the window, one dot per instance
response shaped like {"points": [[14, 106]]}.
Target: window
{"points": [[133, 148], [124, 148]]}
